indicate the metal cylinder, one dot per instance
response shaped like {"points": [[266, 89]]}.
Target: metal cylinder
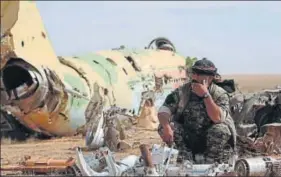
{"points": [[253, 166]]}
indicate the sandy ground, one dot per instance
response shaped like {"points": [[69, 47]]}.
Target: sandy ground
{"points": [[63, 148], [12, 152]]}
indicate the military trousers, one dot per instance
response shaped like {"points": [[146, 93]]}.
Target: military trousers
{"points": [[213, 144]]}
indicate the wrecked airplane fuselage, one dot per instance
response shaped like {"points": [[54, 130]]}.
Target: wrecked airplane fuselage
{"points": [[57, 96], [32, 86]]}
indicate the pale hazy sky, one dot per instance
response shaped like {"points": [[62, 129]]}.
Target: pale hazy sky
{"points": [[237, 36]]}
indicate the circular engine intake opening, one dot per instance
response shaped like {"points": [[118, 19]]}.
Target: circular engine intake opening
{"points": [[14, 76]]}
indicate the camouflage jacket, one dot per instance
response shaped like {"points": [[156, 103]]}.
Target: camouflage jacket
{"points": [[187, 108]]}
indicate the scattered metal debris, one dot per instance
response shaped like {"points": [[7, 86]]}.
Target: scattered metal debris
{"points": [[161, 161], [251, 111]]}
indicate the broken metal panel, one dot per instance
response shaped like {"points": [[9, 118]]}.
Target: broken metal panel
{"points": [[104, 162], [147, 83], [95, 132], [137, 101]]}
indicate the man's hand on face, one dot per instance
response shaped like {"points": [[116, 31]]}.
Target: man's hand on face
{"points": [[200, 89]]}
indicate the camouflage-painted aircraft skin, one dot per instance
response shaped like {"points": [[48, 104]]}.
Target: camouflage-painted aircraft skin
{"points": [[50, 94]]}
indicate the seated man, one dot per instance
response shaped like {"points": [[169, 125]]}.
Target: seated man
{"points": [[200, 117]]}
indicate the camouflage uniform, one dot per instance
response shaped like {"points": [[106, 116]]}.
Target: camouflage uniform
{"points": [[194, 131]]}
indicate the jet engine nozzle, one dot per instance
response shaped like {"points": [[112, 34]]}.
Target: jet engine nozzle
{"points": [[27, 87]]}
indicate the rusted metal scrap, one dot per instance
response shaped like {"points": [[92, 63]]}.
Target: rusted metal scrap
{"points": [[43, 166]]}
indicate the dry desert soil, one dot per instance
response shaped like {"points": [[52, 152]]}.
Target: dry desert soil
{"points": [[13, 152]]}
